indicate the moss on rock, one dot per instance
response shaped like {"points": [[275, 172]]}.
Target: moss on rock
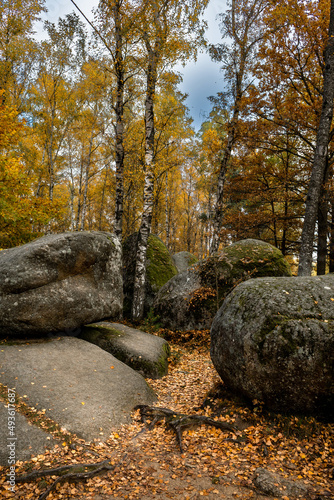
{"points": [[238, 262], [273, 340], [145, 353], [160, 269], [160, 265], [183, 260], [191, 300]]}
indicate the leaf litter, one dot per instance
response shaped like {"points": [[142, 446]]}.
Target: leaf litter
{"points": [[144, 461]]}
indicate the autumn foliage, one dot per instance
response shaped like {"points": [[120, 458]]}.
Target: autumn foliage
{"points": [[22, 216], [61, 127]]}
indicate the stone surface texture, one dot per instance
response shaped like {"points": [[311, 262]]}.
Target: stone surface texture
{"points": [[59, 282], [277, 486], [191, 299], [145, 353], [29, 439], [273, 340], [81, 387], [183, 260]]}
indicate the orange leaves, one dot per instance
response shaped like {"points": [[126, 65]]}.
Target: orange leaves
{"points": [[148, 464]]}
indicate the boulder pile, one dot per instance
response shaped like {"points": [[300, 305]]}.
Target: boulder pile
{"points": [[191, 299]]}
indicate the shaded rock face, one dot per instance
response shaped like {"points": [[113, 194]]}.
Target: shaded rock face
{"points": [[273, 340], [82, 388], [191, 299], [183, 260], [145, 353], [60, 282], [160, 269], [29, 439]]}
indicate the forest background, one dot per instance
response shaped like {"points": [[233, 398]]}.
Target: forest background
{"points": [[61, 125]]}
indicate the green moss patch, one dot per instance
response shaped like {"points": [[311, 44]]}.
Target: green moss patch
{"points": [[160, 269], [160, 266]]}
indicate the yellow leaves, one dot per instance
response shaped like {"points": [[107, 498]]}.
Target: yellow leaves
{"points": [[212, 144]]}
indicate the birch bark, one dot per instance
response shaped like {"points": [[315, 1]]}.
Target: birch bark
{"points": [[119, 111], [145, 228]]}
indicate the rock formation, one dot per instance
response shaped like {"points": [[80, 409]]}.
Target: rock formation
{"points": [[145, 353], [273, 340], [160, 269], [191, 299], [183, 260], [59, 282]]}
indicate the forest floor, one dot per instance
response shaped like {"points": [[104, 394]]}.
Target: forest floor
{"points": [[215, 464]]}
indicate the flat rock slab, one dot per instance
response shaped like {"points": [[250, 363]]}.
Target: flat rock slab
{"points": [[145, 353], [82, 387], [28, 439]]}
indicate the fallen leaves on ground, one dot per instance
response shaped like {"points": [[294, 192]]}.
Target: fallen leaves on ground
{"points": [[215, 464]]}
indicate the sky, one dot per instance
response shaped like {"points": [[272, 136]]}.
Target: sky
{"points": [[200, 80]]}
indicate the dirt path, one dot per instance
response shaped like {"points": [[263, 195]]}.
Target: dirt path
{"points": [[215, 464]]}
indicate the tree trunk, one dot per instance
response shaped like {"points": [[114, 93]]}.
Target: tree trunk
{"points": [[145, 228], [320, 156], [87, 162], [231, 136], [226, 155], [322, 238], [79, 193], [49, 148], [331, 241], [167, 213], [119, 110], [284, 231], [102, 199]]}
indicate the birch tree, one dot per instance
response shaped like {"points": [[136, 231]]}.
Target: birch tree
{"points": [[116, 21], [18, 50], [170, 30], [242, 25], [53, 102]]}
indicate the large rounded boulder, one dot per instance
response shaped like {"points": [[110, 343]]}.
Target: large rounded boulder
{"points": [[160, 268], [273, 341], [59, 282], [191, 299]]}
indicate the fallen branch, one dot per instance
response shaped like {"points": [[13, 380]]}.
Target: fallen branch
{"points": [[178, 422], [67, 473], [73, 472]]}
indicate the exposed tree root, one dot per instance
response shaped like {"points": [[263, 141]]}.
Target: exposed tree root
{"points": [[178, 422]]}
